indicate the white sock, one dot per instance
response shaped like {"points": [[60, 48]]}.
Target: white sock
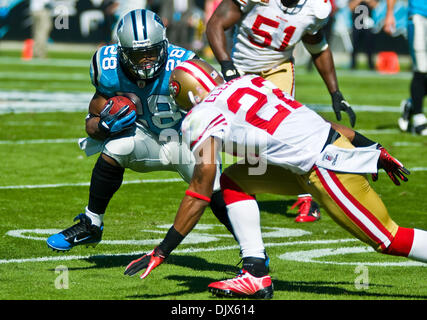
{"points": [[97, 219], [245, 219], [304, 195], [419, 119], [419, 246]]}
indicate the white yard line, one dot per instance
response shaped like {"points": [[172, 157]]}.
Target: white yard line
{"points": [[39, 101], [75, 140], [74, 104], [57, 76], [38, 141], [52, 63], [358, 108], [187, 250], [83, 184], [308, 256]]}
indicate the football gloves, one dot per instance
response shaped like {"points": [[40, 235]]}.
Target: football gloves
{"points": [[148, 261], [340, 104], [391, 166], [228, 70], [115, 123]]}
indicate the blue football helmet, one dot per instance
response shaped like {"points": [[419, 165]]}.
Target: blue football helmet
{"points": [[142, 43]]}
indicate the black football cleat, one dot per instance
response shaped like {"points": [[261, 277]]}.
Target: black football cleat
{"points": [[82, 233]]}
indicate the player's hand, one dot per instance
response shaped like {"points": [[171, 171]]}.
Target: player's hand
{"points": [[148, 261], [390, 24], [228, 70], [340, 104], [115, 123], [393, 167]]}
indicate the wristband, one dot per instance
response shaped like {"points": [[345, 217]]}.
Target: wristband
{"points": [[361, 141], [172, 239], [227, 64], [197, 195]]}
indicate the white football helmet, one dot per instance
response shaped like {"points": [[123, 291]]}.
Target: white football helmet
{"points": [[191, 81], [142, 43]]}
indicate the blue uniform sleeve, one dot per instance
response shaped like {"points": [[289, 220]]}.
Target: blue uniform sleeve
{"points": [[176, 55], [103, 70]]}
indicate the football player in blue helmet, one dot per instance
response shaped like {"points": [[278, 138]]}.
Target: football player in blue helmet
{"points": [[138, 67], [143, 55], [412, 117]]}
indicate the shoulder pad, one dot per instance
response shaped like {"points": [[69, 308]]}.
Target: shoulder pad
{"points": [[246, 5], [180, 53], [200, 124], [95, 69], [322, 8], [103, 69]]}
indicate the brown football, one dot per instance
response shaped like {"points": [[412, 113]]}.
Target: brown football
{"points": [[119, 102]]}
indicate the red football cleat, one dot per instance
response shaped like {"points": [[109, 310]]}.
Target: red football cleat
{"points": [[244, 285], [307, 208]]}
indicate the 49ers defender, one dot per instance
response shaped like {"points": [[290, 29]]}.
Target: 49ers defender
{"points": [[301, 152], [266, 34]]}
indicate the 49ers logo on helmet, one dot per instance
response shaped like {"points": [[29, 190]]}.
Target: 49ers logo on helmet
{"points": [[174, 88]]}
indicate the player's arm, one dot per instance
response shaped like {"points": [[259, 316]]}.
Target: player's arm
{"points": [[393, 167], [101, 124], [322, 58], [200, 189], [96, 105], [390, 21], [194, 203], [357, 139], [226, 15]]}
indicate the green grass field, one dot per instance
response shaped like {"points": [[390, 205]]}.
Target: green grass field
{"points": [[45, 181]]}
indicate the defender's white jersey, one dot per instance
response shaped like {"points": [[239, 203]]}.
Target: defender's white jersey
{"points": [[267, 34], [255, 119]]}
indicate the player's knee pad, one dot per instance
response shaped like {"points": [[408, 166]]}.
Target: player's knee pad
{"points": [[178, 156], [232, 192], [120, 149], [139, 151]]}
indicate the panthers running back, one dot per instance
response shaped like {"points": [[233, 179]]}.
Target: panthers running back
{"points": [[137, 67], [157, 112]]}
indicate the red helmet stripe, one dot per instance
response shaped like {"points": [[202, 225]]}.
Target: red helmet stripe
{"points": [[204, 78], [203, 83], [203, 71]]}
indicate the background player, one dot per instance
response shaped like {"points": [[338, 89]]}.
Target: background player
{"points": [[301, 151], [412, 109], [267, 33], [139, 67]]}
